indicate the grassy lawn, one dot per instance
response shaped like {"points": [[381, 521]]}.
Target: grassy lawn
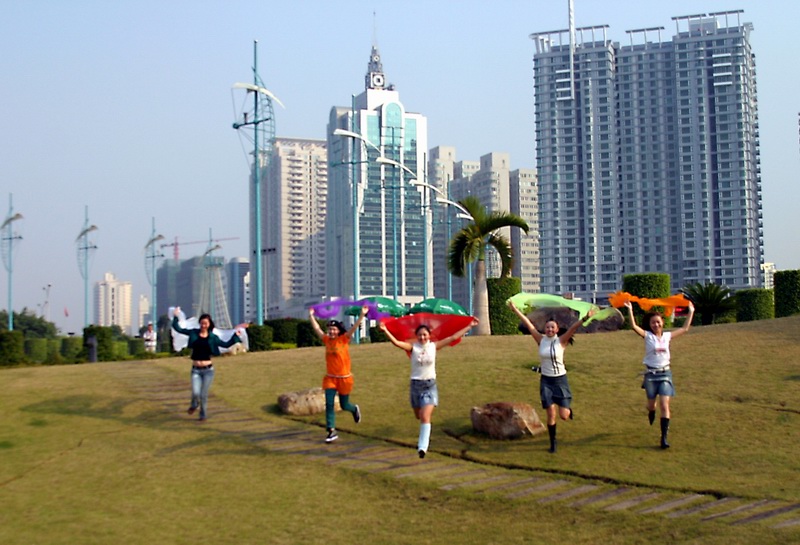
{"points": [[86, 461]]}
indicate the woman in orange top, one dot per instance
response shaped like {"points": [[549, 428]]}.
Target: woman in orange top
{"points": [[338, 378]]}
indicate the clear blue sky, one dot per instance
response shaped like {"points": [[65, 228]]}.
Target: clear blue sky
{"points": [[126, 107]]}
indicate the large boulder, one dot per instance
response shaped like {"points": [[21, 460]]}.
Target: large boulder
{"points": [[506, 420], [305, 402]]}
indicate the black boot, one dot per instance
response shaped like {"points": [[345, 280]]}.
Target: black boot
{"points": [[551, 430], [651, 416], [664, 432]]}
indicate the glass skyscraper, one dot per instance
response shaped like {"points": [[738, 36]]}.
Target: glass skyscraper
{"points": [[389, 254], [648, 156]]}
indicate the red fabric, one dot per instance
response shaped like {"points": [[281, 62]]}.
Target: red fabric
{"points": [[441, 325]]}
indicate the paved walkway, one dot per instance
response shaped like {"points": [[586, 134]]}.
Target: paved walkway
{"points": [[156, 385]]}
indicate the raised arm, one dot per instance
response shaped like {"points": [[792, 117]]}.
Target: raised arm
{"points": [[680, 331], [399, 344], [574, 327], [353, 329], [526, 322], [175, 324], [315, 325], [457, 335], [634, 325]]}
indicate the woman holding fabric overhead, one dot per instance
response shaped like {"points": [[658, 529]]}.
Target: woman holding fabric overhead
{"points": [[657, 382], [424, 393], [553, 388]]}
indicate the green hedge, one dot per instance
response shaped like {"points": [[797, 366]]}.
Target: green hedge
{"points": [[259, 337], [71, 348], [306, 336], [12, 347], [787, 293], [502, 319], [284, 330], [377, 335], [105, 343], [755, 304], [121, 350], [36, 350], [136, 347], [650, 285]]}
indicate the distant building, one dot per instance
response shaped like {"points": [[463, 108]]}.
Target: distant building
{"points": [[391, 217], [237, 273], [144, 313], [768, 270], [649, 162], [112, 299], [296, 183]]}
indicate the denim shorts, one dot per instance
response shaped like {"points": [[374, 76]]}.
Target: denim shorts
{"points": [[424, 392], [658, 384], [555, 390]]}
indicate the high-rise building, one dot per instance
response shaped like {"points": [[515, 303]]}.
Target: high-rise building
{"points": [[388, 251], [294, 219], [500, 190], [237, 273], [648, 156], [112, 299]]}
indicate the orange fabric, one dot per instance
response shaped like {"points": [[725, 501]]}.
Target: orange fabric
{"points": [[337, 355], [619, 299], [342, 385]]}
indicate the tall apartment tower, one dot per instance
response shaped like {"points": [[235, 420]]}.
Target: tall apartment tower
{"points": [[524, 202], [237, 276], [648, 156], [294, 221], [113, 300], [378, 224]]}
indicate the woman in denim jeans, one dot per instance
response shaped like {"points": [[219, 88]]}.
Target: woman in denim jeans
{"points": [[657, 382], [424, 394], [204, 343]]}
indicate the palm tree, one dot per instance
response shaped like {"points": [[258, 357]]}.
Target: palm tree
{"points": [[710, 300], [469, 245]]}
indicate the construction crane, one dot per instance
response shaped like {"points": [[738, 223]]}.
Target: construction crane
{"points": [[176, 245]]}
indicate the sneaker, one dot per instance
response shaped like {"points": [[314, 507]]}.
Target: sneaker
{"points": [[332, 436], [422, 453], [357, 414], [191, 410]]}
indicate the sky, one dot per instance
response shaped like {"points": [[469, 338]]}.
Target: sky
{"points": [[126, 108]]}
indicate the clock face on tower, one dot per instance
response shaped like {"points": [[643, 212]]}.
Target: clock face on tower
{"points": [[376, 58], [377, 80]]}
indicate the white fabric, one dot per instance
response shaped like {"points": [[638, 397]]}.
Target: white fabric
{"points": [[656, 351], [180, 341], [423, 361], [551, 357]]}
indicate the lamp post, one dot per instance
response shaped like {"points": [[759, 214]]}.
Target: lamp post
{"points": [[150, 257], [84, 246], [9, 238]]}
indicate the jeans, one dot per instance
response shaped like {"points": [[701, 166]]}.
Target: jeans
{"points": [[201, 382], [330, 412]]}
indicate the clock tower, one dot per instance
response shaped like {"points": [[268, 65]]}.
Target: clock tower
{"points": [[375, 79]]}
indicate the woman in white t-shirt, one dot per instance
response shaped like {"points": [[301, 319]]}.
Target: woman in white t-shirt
{"points": [[424, 393], [657, 382], [553, 387]]}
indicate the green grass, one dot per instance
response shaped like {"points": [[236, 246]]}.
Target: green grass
{"points": [[85, 461]]}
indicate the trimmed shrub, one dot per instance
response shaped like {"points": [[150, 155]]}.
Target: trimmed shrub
{"points": [[284, 330], [755, 304], [36, 350], [306, 335], [71, 348], [136, 347], [650, 285], [502, 319], [121, 350], [105, 342], [12, 347], [260, 337], [377, 336], [787, 293]]}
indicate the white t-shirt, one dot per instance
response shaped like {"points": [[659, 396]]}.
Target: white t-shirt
{"points": [[423, 361], [656, 351], [551, 357]]}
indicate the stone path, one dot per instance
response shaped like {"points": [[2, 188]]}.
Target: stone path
{"points": [[154, 385]]}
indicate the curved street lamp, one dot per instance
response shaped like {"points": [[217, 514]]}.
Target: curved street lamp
{"points": [[8, 240]]}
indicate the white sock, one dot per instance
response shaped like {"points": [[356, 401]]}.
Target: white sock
{"points": [[424, 437]]}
